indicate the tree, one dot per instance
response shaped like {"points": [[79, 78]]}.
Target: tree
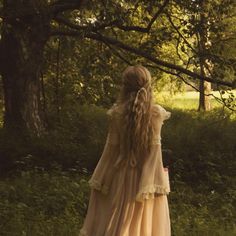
{"points": [[27, 25], [203, 28], [25, 31], [205, 65]]}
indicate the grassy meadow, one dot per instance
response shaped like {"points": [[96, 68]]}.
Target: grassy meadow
{"points": [[188, 100], [45, 191]]}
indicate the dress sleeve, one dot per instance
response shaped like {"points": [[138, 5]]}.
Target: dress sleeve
{"points": [[154, 180], [102, 176], [113, 132]]}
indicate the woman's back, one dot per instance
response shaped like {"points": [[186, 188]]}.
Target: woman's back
{"points": [[129, 185], [158, 115]]}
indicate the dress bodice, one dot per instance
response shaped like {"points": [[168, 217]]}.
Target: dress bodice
{"points": [[153, 179], [159, 114]]}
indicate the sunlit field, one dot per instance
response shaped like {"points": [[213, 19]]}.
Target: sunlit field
{"points": [[187, 100]]}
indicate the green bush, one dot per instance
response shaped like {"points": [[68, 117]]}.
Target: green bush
{"points": [[77, 140], [203, 198], [39, 203], [203, 147], [194, 212]]}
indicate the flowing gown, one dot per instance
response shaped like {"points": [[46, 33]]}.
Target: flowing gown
{"points": [[127, 199]]}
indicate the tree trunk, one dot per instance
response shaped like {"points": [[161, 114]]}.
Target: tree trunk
{"points": [[22, 43], [204, 86], [204, 89]]}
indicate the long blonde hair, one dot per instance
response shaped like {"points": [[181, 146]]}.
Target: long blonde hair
{"points": [[136, 98]]}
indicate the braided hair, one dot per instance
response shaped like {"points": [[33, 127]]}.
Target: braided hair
{"points": [[136, 96]]}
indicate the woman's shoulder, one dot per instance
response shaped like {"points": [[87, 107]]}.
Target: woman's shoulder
{"points": [[156, 108], [159, 110]]}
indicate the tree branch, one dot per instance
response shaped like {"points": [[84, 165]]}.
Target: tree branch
{"points": [[117, 54], [219, 100], [53, 8], [149, 26], [157, 61], [111, 41], [179, 33], [65, 5], [114, 23], [91, 27], [173, 73], [161, 9]]}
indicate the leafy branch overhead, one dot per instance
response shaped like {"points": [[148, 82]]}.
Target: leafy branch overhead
{"points": [[108, 22], [111, 32]]}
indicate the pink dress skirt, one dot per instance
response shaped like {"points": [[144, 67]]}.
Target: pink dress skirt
{"points": [[117, 213]]}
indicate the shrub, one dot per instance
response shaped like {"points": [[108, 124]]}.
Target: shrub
{"points": [[40, 203], [77, 140]]}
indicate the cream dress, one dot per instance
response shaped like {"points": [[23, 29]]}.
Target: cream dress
{"points": [[128, 199]]}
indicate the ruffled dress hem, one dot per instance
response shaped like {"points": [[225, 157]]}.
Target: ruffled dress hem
{"points": [[147, 192]]}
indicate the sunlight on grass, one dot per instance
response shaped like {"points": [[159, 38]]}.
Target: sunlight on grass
{"points": [[185, 100]]}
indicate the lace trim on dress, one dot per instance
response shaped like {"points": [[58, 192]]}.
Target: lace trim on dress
{"points": [[149, 192], [98, 186]]}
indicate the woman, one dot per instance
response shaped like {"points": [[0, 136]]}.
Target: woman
{"points": [[129, 186]]}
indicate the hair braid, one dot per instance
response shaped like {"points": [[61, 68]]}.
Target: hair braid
{"points": [[136, 96]]}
